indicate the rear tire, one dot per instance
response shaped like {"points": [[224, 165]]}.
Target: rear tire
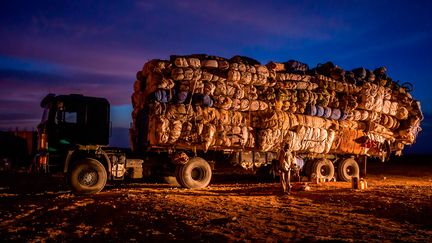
{"points": [[323, 168], [347, 169], [195, 174], [88, 176]]}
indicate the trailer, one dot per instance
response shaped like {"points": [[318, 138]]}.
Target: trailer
{"points": [[192, 114]]}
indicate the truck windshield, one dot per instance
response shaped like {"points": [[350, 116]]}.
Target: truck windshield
{"points": [[45, 115], [70, 117]]}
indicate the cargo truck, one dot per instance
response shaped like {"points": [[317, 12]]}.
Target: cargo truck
{"points": [[183, 127]]}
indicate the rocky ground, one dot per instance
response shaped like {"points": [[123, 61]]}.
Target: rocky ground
{"points": [[396, 206]]}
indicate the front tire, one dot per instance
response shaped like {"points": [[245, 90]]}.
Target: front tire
{"points": [[195, 174], [88, 176]]}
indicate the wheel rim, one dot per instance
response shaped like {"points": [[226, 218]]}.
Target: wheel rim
{"points": [[88, 177], [197, 174], [349, 170], [325, 170]]}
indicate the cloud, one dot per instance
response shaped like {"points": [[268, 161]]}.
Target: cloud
{"points": [[97, 42], [88, 57], [25, 82], [278, 19], [16, 78], [386, 45], [27, 116], [41, 23], [16, 116]]}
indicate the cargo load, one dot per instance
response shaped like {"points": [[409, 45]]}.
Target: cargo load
{"points": [[205, 102]]}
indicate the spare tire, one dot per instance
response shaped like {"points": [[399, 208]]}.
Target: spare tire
{"points": [[323, 168], [347, 169], [87, 176], [195, 174]]}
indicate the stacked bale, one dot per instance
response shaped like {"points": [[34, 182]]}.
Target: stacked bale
{"points": [[209, 102]]}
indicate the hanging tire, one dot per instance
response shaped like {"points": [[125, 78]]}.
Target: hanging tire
{"points": [[323, 168], [347, 169], [87, 176], [195, 174]]}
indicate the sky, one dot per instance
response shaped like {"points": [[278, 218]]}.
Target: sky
{"points": [[95, 48]]}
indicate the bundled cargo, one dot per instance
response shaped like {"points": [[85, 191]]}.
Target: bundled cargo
{"points": [[213, 103]]}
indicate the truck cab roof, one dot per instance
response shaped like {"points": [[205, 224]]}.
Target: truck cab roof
{"points": [[71, 98]]}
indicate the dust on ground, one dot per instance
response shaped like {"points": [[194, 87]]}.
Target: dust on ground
{"points": [[397, 206]]}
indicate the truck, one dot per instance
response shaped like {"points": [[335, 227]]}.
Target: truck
{"points": [[193, 114]]}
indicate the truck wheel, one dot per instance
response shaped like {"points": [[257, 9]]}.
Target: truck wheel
{"points": [[323, 168], [195, 174], [347, 169], [87, 176]]}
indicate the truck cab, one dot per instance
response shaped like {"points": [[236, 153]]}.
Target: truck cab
{"points": [[73, 138], [71, 120]]}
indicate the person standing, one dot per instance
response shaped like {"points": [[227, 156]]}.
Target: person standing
{"points": [[286, 159]]}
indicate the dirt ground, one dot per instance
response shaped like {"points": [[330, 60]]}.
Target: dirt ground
{"points": [[397, 206]]}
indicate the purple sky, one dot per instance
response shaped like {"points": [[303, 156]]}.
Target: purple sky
{"points": [[96, 47]]}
